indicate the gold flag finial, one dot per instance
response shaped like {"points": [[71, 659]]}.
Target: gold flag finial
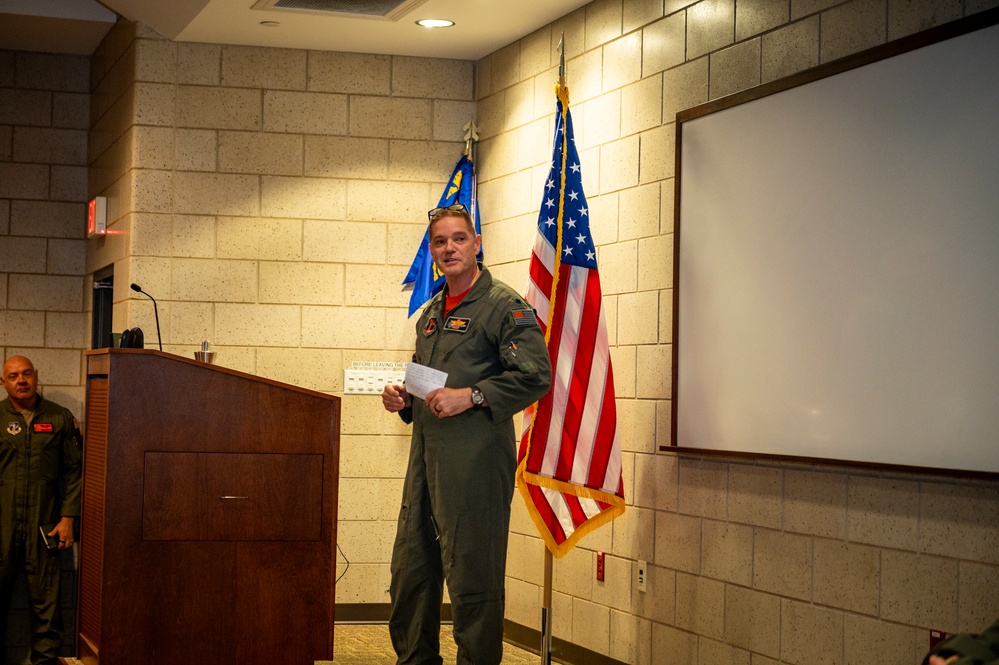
{"points": [[471, 136], [561, 63]]}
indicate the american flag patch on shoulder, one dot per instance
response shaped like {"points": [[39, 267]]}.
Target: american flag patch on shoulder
{"points": [[525, 317]]}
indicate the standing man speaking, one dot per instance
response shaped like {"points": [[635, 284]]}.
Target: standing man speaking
{"points": [[455, 516], [40, 479]]}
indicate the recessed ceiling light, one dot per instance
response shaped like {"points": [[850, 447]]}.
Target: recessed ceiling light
{"points": [[435, 23], [270, 24]]}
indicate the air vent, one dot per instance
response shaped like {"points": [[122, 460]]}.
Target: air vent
{"points": [[379, 9]]}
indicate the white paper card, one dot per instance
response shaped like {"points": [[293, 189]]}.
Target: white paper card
{"points": [[421, 379]]}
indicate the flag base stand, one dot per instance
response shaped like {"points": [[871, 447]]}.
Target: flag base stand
{"points": [[546, 636]]}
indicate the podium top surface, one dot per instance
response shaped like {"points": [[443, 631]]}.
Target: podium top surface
{"points": [[99, 363]]}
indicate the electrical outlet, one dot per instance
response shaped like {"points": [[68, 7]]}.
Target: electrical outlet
{"points": [[936, 637], [641, 576]]}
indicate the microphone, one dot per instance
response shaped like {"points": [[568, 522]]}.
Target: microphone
{"points": [[156, 310]]}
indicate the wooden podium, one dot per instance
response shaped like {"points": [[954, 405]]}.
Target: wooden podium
{"points": [[208, 530]]}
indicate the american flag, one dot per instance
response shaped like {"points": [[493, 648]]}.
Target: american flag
{"points": [[569, 463]]}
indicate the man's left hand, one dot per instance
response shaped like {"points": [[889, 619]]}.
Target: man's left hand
{"points": [[444, 402], [64, 531]]}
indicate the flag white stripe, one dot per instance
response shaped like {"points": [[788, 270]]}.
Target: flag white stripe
{"points": [[596, 391], [612, 478], [560, 509], [591, 415], [590, 507], [538, 300], [545, 252]]}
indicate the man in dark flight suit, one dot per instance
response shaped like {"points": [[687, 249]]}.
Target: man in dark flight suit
{"points": [[455, 516], [40, 481]]}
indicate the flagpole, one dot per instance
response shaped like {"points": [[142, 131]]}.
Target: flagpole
{"points": [[546, 598], [546, 611]]}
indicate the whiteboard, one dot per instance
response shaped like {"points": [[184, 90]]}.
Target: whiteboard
{"points": [[837, 266]]}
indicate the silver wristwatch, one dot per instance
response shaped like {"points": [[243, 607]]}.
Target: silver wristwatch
{"points": [[477, 397]]}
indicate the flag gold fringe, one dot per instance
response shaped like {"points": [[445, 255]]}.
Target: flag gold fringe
{"points": [[559, 550]]}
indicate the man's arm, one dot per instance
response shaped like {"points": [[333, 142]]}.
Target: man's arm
{"points": [[527, 371], [71, 483]]}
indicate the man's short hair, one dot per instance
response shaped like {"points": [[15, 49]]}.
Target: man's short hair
{"points": [[456, 210]]}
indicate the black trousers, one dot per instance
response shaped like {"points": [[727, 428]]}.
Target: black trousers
{"points": [[44, 572]]}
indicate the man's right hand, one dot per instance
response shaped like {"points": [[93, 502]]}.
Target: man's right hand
{"points": [[395, 398], [940, 660]]}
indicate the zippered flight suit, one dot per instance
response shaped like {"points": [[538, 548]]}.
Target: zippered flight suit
{"points": [[40, 482], [455, 515]]}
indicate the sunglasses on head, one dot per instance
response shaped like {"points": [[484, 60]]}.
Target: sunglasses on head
{"points": [[437, 213]]}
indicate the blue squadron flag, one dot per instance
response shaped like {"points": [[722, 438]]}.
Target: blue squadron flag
{"points": [[423, 275]]}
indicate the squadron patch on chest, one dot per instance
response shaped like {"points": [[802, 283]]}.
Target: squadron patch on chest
{"points": [[13, 428], [39, 428], [456, 324], [431, 327]]}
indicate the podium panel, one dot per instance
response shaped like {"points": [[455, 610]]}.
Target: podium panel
{"points": [[208, 527]]}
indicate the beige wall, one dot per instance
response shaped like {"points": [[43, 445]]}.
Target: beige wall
{"points": [[749, 562], [44, 116], [43, 179], [271, 200]]}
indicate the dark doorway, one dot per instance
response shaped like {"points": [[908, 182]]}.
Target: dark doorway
{"points": [[103, 302]]}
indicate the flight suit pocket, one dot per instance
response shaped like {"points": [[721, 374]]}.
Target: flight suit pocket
{"points": [[49, 460]]}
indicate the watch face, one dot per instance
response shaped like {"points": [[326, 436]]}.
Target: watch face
{"points": [[477, 397]]}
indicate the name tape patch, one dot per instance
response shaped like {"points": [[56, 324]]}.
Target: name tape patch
{"points": [[39, 428], [456, 324]]}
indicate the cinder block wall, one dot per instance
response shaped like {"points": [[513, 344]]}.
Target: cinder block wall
{"points": [[44, 116], [749, 562], [271, 200], [289, 268]]}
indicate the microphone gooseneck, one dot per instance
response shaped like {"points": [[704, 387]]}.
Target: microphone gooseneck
{"points": [[156, 311]]}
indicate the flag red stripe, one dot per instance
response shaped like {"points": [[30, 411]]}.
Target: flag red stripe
{"points": [[596, 395], [547, 514], [605, 437], [583, 365], [575, 509], [542, 423], [540, 275]]}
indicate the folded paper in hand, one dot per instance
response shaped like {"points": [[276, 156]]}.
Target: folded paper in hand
{"points": [[421, 379]]}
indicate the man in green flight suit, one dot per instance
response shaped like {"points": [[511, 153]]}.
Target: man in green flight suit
{"points": [[455, 516], [40, 481]]}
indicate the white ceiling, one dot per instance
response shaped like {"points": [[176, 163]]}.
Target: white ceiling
{"points": [[481, 26]]}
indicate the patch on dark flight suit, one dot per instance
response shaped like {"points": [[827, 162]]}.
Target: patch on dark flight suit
{"points": [[39, 428], [524, 317], [431, 327], [455, 324], [14, 428]]}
